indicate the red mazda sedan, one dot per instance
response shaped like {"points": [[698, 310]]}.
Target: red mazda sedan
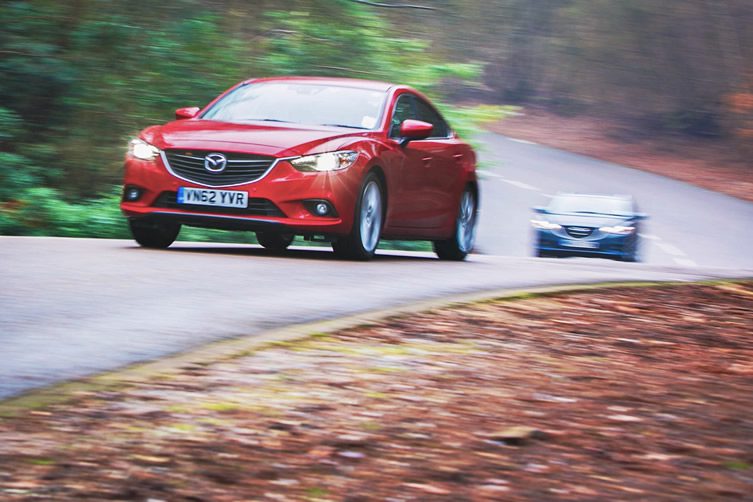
{"points": [[339, 160]]}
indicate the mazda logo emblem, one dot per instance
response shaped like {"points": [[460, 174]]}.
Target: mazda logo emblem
{"points": [[215, 162]]}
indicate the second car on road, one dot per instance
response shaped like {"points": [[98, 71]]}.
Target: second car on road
{"points": [[588, 225]]}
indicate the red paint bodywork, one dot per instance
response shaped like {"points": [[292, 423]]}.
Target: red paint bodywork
{"points": [[423, 179]]}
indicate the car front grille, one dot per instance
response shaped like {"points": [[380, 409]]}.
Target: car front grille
{"points": [[579, 232], [256, 206], [241, 167]]}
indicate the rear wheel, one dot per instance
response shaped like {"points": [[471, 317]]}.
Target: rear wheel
{"points": [[274, 241], [363, 240], [461, 243], [152, 234]]}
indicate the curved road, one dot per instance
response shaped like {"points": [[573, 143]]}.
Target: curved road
{"points": [[73, 307], [687, 226]]}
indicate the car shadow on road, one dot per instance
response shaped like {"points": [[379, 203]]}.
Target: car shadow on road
{"points": [[311, 253]]}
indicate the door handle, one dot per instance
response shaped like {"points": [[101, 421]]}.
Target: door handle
{"points": [[427, 161]]}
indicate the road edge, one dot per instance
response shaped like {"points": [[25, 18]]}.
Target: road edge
{"points": [[236, 347]]}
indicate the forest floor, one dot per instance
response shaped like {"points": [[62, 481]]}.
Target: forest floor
{"points": [[607, 394], [709, 163]]}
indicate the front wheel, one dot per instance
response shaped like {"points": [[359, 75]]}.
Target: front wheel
{"points": [[362, 242], [274, 241], [461, 243], [154, 235], [630, 257]]}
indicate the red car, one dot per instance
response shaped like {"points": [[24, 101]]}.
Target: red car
{"points": [[340, 160]]}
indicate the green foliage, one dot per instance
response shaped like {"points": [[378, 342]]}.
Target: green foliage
{"points": [[84, 76], [78, 79], [44, 211], [15, 175], [313, 44], [406, 245], [10, 125], [467, 120]]}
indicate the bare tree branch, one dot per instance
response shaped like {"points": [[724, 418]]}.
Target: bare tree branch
{"points": [[394, 5]]}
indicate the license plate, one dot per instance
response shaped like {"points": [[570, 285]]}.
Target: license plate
{"points": [[579, 244], [206, 197]]}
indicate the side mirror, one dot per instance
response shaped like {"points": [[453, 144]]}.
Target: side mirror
{"points": [[187, 113], [540, 210], [411, 129]]}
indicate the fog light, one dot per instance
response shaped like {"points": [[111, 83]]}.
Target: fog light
{"points": [[132, 194], [321, 209]]}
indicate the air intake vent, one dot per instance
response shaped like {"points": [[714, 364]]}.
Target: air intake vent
{"points": [[239, 169], [579, 231]]}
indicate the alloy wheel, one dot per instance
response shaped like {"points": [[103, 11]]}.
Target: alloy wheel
{"points": [[371, 216], [466, 225]]}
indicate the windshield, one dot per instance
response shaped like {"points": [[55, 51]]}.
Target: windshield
{"points": [[590, 205], [300, 103]]}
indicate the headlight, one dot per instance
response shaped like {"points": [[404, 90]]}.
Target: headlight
{"points": [[142, 150], [619, 230], [545, 225], [331, 161]]}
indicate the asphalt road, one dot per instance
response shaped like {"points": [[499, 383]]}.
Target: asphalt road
{"points": [[73, 307], [687, 226]]}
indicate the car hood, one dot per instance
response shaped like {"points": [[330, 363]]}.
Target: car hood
{"points": [[276, 140], [587, 220]]}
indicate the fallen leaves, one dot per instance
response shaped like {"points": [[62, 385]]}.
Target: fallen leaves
{"points": [[624, 418], [518, 434], [622, 394]]}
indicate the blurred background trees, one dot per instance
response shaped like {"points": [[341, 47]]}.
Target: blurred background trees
{"points": [[79, 78]]}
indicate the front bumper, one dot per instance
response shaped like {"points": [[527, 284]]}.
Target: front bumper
{"points": [[606, 244], [284, 188]]}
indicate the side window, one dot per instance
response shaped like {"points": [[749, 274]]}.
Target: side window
{"points": [[404, 109], [426, 113]]}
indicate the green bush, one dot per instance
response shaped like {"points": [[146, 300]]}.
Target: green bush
{"points": [[78, 80]]}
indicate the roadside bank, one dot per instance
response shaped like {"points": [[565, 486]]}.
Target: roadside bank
{"points": [[617, 393], [709, 163]]}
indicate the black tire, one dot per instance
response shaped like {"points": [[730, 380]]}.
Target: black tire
{"points": [[461, 243], [274, 241], [631, 255], [368, 220], [153, 234]]}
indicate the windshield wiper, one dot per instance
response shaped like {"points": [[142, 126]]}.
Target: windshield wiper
{"points": [[269, 120], [344, 125], [601, 213]]}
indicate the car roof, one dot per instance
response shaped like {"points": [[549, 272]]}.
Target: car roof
{"points": [[358, 83]]}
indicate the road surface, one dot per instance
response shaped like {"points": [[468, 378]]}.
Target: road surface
{"points": [[687, 226], [73, 307]]}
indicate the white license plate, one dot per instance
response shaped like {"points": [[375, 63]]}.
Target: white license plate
{"points": [[207, 197], [579, 244]]}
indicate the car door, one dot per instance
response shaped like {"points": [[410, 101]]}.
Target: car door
{"points": [[439, 179], [426, 194], [408, 194]]}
